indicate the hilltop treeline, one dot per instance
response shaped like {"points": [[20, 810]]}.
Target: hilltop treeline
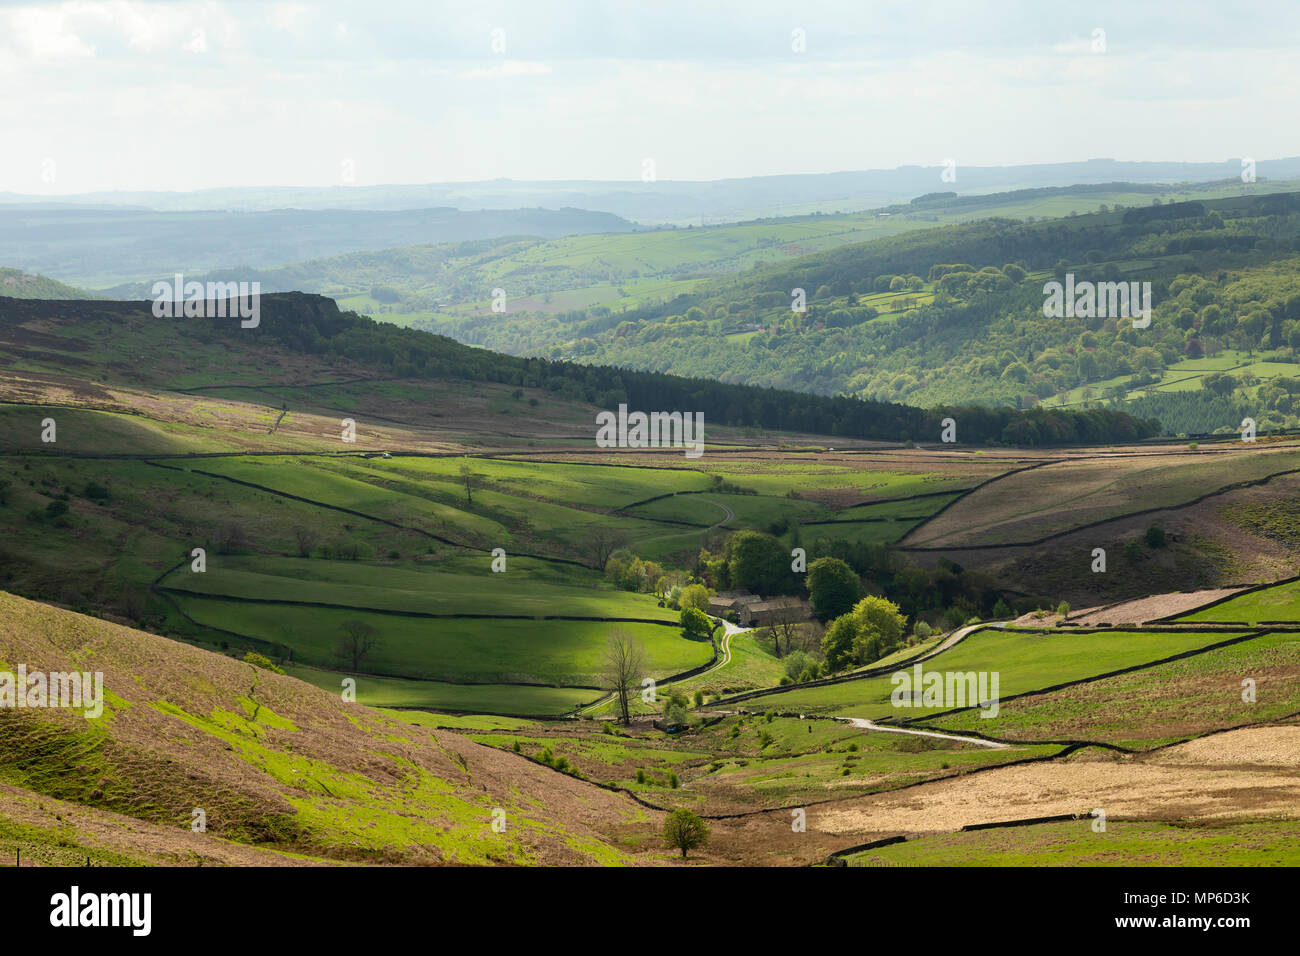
{"points": [[315, 324]]}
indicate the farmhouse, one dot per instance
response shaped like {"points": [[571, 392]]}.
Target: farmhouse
{"points": [[725, 601], [765, 612]]}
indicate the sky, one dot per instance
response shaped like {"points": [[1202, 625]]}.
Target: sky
{"points": [[192, 94]]}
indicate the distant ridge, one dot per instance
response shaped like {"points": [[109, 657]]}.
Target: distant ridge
{"points": [[668, 200]]}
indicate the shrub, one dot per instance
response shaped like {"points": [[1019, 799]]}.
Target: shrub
{"points": [[260, 660], [95, 491]]}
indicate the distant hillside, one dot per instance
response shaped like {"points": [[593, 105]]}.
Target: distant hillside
{"points": [[955, 314], [106, 245], [17, 284], [448, 287], [283, 773], [679, 201]]}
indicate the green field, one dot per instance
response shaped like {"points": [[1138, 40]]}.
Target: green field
{"points": [[1125, 843], [1157, 705], [1278, 603], [1025, 661], [390, 692], [451, 585], [456, 649]]}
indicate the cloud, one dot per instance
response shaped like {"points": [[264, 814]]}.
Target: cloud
{"points": [[507, 68], [194, 93]]}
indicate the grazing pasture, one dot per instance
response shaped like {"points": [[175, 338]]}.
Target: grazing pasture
{"points": [[1024, 661]]}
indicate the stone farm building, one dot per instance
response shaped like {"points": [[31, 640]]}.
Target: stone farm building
{"points": [[765, 612], [753, 611]]}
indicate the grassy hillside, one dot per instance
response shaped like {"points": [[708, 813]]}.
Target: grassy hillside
{"points": [[274, 763], [17, 284], [442, 286]]}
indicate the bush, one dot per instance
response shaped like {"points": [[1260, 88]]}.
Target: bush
{"points": [[260, 660], [95, 491], [1155, 537], [796, 662]]}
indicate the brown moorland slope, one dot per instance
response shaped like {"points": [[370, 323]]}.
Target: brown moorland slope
{"points": [[276, 766]]}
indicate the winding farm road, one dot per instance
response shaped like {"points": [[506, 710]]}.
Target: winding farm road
{"points": [[730, 516], [957, 635], [724, 658], [865, 724]]}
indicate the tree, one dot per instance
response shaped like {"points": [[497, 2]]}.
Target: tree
{"points": [[695, 623], [685, 831], [1155, 536], [624, 662], [833, 587], [306, 538], [231, 538], [358, 640], [758, 562], [880, 627], [468, 476], [602, 542], [784, 623], [696, 596], [837, 643]]}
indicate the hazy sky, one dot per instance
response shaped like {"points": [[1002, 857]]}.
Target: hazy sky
{"points": [[128, 94]]}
